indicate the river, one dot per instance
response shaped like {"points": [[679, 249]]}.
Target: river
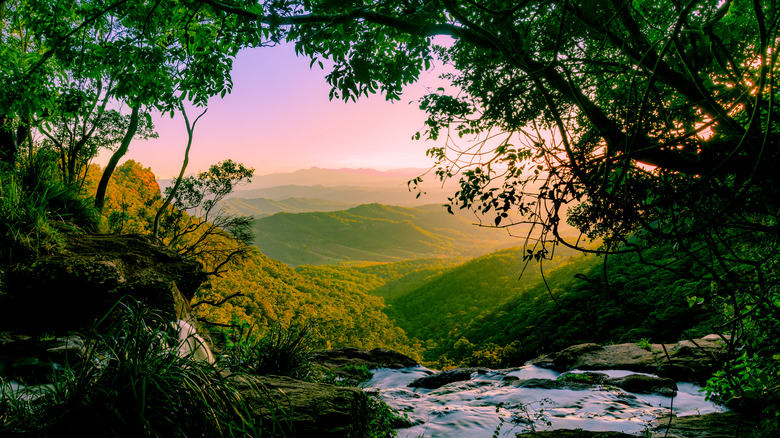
{"points": [[489, 402]]}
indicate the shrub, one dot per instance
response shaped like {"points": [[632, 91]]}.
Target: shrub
{"points": [[381, 419], [282, 352]]}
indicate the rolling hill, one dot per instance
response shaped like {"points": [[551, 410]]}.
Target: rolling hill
{"points": [[262, 207], [373, 233]]}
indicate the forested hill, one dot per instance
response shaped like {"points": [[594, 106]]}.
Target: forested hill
{"points": [[373, 233], [484, 313], [262, 207]]}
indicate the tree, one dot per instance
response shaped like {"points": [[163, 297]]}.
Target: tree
{"points": [[637, 121], [194, 223], [68, 60]]}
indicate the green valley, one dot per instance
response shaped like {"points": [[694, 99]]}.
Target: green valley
{"points": [[373, 233]]}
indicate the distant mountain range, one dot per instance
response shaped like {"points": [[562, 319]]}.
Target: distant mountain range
{"points": [[335, 177], [373, 233], [262, 207]]}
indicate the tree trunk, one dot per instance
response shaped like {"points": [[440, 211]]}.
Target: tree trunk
{"points": [[167, 202], [9, 143], [100, 195]]}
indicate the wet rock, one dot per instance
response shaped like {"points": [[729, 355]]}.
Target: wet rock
{"points": [[440, 379], [566, 433], [642, 384], [550, 384], [687, 360], [305, 410], [719, 424]]}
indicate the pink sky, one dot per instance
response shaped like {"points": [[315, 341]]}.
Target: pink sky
{"points": [[278, 119]]}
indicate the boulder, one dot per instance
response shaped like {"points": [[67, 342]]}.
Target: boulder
{"points": [[440, 379], [289, 407], [643, 384], [72, 289], [686, 360]]}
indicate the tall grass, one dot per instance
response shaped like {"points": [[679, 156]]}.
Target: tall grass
{"points": [[130, 383], [36, 206], [285, 351]]}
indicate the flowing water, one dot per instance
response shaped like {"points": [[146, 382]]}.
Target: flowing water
{"points": [[476, 408]]}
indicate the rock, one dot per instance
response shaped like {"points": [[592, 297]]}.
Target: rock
{"points": [[687, 360], [440, 379], [550, 384], [577, 433], [376, 358], [31, 359], [718, 424], [305, 410], [67, 291], [642, 384]]}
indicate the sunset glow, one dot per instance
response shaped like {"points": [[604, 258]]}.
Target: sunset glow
{"points": [[278, 118]]}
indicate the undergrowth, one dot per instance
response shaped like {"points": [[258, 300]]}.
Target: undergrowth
{"points": [[36, 206], [130, 382], [284, 351]]}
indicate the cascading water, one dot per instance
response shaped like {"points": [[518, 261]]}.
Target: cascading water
{"points": [[477, 407]]}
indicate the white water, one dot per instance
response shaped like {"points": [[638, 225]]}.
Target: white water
{"points": [[468, 409]]}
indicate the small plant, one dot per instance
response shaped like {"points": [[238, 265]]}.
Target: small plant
{"points": [[644, 344], [361, 373], [382, 419], [576, 378]]}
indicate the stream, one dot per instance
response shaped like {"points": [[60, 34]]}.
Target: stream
{"points": [[469, 408]]}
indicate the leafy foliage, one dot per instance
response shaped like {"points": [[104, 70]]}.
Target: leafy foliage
{"points": [[484, 315], [197, 226], [333, 302], [382, 419]]}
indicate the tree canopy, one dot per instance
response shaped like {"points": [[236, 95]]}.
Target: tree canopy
{"points": [[638, 121]]}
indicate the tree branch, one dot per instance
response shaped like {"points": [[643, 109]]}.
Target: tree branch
{"points": [[220, 302]]}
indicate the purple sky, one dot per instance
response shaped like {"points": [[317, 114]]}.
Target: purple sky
{"points": [[278, 118]]}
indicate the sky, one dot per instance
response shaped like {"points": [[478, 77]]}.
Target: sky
{"points": [[278, 119]]}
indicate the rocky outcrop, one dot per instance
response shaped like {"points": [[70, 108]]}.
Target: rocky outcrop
{"points": [[550, 384], [377, 358], [288, 407], [70, 290], [44, 300], [719, 424], [686, 360], [635, 383]]}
